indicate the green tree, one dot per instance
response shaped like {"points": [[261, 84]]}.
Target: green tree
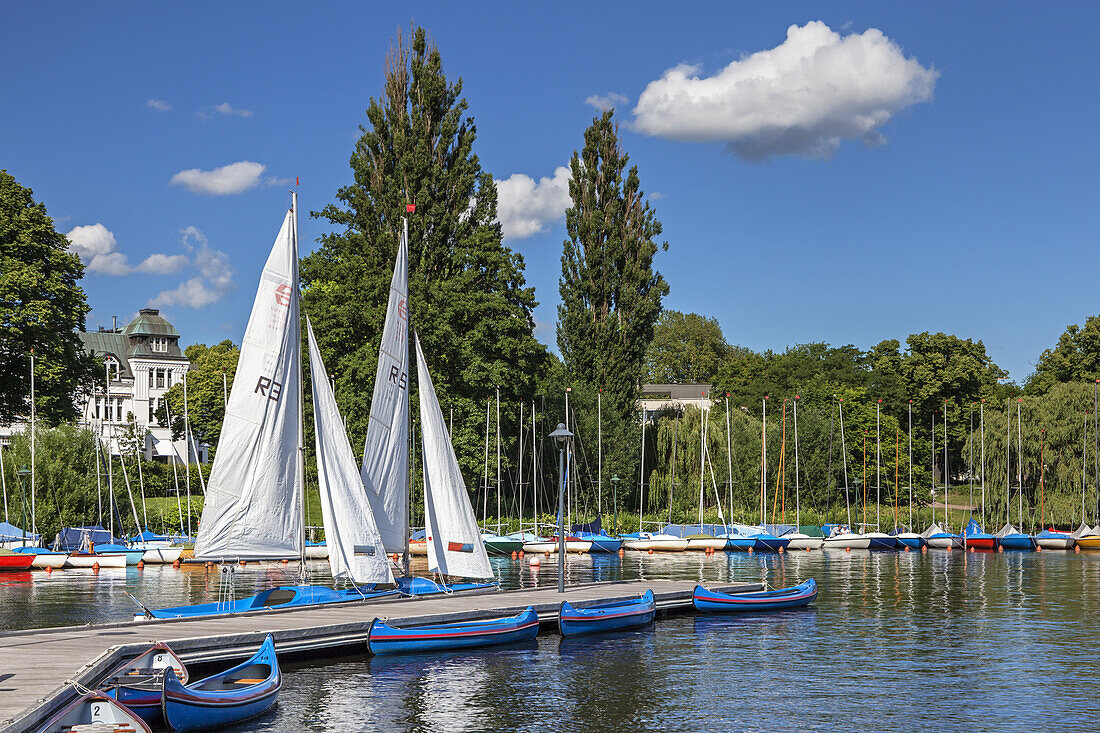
{"points": [[686, 348], [469, 301], [1075, 358], [611, 294], [41, 310], [208, 381]]}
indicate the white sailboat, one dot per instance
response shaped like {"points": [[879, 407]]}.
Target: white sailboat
{"points": [[798, 539], [843, 537]]}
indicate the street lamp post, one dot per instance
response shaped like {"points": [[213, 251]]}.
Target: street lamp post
{"points": [[615, 491], [561, 436]]}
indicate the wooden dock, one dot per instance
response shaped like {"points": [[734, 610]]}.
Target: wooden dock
{"points": [[36, 666]]}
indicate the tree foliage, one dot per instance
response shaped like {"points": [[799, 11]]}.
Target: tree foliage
{"points": [[41, 310], [469, 301], [1075, 358], [208, 382], [610, 292], [687, 348]]}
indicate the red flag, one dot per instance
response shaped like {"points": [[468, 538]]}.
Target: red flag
{"points": [[410, 208]]}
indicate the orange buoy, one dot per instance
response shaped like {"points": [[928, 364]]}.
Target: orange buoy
{"points": [[906, 548], [781, 550], [971, 549], [514, 554], [1076, 548], [1038, 548], [176, 564], [808, 549], [847, 549], [141, 565], [623, 552], [548, 553], [750, 550], [521, 553], [242, 563], [651, 552], [1000, 549], [285, 561], [49, 568], [95, 567], [924, 548]]}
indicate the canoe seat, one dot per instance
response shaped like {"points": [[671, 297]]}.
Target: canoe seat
{"points": [[248, 681]]}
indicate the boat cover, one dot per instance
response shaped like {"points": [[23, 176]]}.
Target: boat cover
{"points": [[10, 533], [593, 527]]}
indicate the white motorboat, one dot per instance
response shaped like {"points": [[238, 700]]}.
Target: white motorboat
{"points": [[161, 555]]}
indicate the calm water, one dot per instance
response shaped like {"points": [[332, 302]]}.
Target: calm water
{"points": [[897, 640]]}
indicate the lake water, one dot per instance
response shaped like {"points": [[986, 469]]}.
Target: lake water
{"points": [[910, 641]]}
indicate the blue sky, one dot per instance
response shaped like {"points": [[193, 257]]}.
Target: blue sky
{"points": [[973, 213]]}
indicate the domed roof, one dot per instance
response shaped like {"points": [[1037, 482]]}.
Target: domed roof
{"points": [[149, 322]]}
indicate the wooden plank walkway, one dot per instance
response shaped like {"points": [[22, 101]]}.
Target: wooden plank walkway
{"points": [[37, 665]]}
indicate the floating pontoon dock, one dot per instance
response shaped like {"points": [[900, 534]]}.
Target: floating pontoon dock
{"points": [[36, 666]]}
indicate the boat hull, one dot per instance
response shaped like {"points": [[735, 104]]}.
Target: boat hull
{"points": [[502, 545], [15, 563], [981, 542], [230, 697], [286, 596], [881, 541], [98, 710], [603, 543], [1023, 542], [1089, 542], [418, 548], [912, 540], [740, 544], [847, 541], [318, 551], [386, 639], [703, 544], [1049, 540], [777, 600], [769, 543], [85, 560], [606, 616], [162, 556], [44, 558], [800, 541], [941, 541]]}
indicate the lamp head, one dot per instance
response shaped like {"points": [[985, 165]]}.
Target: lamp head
{"points": [[561, 435]]}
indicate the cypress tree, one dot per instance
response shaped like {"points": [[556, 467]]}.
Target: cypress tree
{"points": [[469, 301], [610, 293]]}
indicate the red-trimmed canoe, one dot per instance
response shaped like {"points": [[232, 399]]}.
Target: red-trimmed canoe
{"points": [[606, 616], [386, 639], [772, 600]]}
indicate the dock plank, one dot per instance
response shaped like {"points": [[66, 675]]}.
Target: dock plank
{"points": [[39, 664]]}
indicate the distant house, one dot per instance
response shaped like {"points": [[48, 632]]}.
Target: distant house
{"points": [[141, 362], [658, 397]]}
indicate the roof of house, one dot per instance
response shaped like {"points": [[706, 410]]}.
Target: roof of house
{"points": [[133, 341], [149, 322]]}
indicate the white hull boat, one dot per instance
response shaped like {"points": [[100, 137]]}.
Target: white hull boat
{"points": [[316, 552], [162, 556], [847, 541], [706, 543], [799, 541], [80, 560], [43, 560]]}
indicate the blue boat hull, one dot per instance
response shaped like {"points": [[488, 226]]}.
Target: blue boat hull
{"points": [[740, 544], [283, 596], [428, 587], [883, 543], [146, 704], [226, 698], [913, 543], [769, 543], [386, 639], [777, 600], [1018, 542], [601, 542], [606, 616]]}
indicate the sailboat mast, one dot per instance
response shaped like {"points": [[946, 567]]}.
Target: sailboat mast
{"points": [[1020, 462], [878, 465], [946, 476], [910, 465], [729, 456], [797, 496], [844, 457], [1008, 461], [301, 396], [764, 463], [599, 452], [641, 476], [34, 514], [405, 558], [485, 473], [498, 460], [981, 419], [702, 460], [519, 462]]}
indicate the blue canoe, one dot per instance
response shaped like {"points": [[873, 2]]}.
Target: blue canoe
{"points": [[774, 600], [242, 692], [386, 639], [574, 621], [139, 683], [94, 711]]}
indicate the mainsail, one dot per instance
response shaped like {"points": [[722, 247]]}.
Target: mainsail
{"points": [[385, 454], [253, 498], [454, 539], [354, 544]]}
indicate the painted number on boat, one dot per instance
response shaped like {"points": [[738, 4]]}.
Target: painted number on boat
{"points": [[97, 713], [269, 388]]}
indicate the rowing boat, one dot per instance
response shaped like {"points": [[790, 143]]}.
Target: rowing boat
{"points": [[387, 639], [573, 621], [139, 683], [1054, 539], [774, 600], [95, 712], [237, 694]]}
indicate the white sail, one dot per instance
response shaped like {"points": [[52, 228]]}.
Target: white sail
{"points": [[253, 498], [454, 539], [354, 545], [385, 454]]}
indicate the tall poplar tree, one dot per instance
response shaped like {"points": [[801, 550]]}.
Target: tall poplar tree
{"points": [[610, 293], [42, 307], [469, 301]]}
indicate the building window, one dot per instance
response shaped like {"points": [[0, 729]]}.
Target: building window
{"points": [[168, 377], [152, 412], [150, 378], [160, 343], [160, 378], [112, 368]]}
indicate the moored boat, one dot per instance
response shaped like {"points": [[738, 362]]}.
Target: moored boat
{"points": [[132, 557], [162, 556], [44, 558], [92, 559], [1087, 538], [601, 542], [645, 541], [237, 694], [316, 550], [881, 541], [573, 621], [1011, 538], [15, 562], [1054, 539], [139, 683], [936, 537], [387, 639], [496, 544], [840, 537], [95, 711], [283, 596], [767, 542], [775, 600], [977, 538]]}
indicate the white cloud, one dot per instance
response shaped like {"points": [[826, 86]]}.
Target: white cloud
{"points": [[158, 264], [97, 247], [225, 109], [229, 179], [158, 104], [606, 101], [525, 207], [214, 281], [800, 98]]}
